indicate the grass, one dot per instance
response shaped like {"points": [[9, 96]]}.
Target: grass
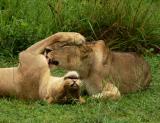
{"points": [[140, 107], [128, 25], [124, 24]]}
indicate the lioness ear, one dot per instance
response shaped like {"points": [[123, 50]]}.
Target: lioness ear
{"points": [[85, 51], [100, 42]]}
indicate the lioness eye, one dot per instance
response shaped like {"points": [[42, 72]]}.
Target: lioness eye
{"points": [[65, 46]]}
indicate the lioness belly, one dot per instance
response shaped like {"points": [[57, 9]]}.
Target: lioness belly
{"points": [[8, 77]]}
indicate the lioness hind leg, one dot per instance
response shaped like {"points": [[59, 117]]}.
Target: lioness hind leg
{"points": [[109, 92]]}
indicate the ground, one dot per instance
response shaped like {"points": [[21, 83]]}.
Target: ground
{"points": [[140, 107]]}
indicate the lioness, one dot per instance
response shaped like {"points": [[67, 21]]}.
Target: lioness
{"points": [[32, 79], [101, 69]]}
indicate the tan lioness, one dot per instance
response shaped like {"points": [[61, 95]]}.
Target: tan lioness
{"points": [[101, 69], [32, 78]]}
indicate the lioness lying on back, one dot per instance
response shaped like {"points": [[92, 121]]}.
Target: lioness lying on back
{"points": [[105, 73], [32, 79]]}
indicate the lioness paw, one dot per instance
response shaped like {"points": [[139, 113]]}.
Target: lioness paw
{"points": [[72, 37], [81, 100], [97, 96], [107, 95]]}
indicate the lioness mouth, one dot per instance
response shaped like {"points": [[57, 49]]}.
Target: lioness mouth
{"points": [[74, 86], [54, 62]]}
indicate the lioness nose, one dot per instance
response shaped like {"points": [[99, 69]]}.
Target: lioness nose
{"points": [[74, 82]]}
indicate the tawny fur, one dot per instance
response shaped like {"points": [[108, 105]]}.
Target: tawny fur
{"points": [[32, 76], [98, 67]]}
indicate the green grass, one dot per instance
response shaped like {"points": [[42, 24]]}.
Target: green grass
{"points": [[128, 25], [140, 107]]}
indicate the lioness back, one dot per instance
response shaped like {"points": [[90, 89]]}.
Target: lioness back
{"points": [[129, 71]]}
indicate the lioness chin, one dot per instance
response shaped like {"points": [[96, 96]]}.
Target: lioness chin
{"points": [[99, 67], [32, 78]]}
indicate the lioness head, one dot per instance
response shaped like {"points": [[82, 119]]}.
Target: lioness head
{"points": [[76, 57], [58, 38], [72, 81], [69, 56], [72, 85]]}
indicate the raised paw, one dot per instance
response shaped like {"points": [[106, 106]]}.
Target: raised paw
{"points": [[72, 37]]}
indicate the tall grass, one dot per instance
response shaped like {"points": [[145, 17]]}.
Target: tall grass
{"points": [[127, 25]]}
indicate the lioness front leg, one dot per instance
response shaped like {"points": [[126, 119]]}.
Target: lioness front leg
{"points": [[110, 91], [73, 37]]}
